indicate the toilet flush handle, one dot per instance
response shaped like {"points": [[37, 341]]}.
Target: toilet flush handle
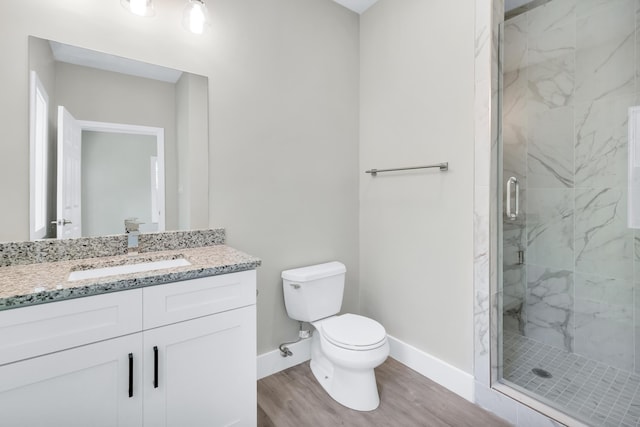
{"points": [[294, 285]]}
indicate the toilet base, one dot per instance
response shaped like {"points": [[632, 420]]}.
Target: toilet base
{"points": [[353, 388]]}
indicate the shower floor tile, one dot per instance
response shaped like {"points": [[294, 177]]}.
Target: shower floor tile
{"points": [[591, 391]]}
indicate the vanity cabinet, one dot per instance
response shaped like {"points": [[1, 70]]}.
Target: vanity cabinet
{"points": [[180, 354]]}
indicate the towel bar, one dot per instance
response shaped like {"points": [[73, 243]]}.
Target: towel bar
{"points": [[443, 167]]}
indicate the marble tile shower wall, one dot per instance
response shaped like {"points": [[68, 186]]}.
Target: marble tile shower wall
{"points": [[571, 71]]}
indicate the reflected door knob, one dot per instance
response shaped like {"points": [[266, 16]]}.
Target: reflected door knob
{"points": [[61, 222]]}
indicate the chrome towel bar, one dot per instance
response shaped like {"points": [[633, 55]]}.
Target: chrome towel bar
{"points": [[443, 167]]}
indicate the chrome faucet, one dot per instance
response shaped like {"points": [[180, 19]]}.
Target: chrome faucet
{"points": [[132, 228]]}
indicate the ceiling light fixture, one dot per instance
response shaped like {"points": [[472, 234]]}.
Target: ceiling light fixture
{"points": [[195, 17], [139, 7]]}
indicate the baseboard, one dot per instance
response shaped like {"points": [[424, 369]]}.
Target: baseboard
{"points": [[272, 362], [450, 377]]}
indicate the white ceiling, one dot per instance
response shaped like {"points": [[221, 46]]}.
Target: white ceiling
{"points": [[357, 6], [91, 58]]}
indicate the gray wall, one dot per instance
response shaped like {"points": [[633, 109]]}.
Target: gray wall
{"points": [[192, 133], [284, 147], [116, 180], [284, 90], [283, 138], [416, 228]]}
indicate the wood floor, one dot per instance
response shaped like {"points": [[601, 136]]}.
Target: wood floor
{"points": [[294, 398]]}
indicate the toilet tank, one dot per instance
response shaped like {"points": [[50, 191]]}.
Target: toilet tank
{"points": [[314, 292]]}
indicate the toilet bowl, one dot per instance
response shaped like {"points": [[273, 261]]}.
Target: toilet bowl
{"points": [[344, 352], [345, 349]]}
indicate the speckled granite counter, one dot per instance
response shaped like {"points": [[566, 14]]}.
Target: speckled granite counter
{"points": [[52, 250], [27, 284]]}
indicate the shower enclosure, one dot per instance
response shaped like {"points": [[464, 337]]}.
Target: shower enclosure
{"points": [[569, 230]]}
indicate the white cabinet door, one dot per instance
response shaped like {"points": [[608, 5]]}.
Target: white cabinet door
{"points": [[84, 386], [206, 372]]}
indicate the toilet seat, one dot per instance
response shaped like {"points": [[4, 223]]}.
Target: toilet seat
{"points": [[354, 332]]}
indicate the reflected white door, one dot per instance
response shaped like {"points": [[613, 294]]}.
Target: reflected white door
{"points": [[69, 215]]}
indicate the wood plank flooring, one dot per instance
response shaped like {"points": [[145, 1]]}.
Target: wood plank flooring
{"points": [[293, 398]]}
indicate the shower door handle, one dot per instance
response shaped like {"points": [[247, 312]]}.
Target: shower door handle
{"points": [[513, 182]]}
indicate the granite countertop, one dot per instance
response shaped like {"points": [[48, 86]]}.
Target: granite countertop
{"points": [[23, 285]]}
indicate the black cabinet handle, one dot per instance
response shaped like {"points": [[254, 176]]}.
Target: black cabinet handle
{"points": [[130, 374], [155, 367]]}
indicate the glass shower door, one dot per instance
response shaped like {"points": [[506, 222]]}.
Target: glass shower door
{"points": [[570, 317]]}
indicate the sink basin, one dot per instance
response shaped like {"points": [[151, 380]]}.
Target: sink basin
{"points": [[95, 273]]}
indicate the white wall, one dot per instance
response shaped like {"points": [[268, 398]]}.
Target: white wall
{"points": [[283, 139], [416, 228]]}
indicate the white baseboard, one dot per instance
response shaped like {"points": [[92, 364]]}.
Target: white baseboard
{"points": [[272, 362], [456, 380], [448, 376]]}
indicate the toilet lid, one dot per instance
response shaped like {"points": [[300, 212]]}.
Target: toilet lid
{"points": [[351, 330]]}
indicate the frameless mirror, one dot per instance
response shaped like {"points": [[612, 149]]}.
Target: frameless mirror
{"points": [[113, 139]]}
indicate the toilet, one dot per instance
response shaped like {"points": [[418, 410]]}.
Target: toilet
{"points": [[344, 349]]}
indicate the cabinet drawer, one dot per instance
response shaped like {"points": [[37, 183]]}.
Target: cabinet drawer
{"points": [[41, 329], [175, 302]]}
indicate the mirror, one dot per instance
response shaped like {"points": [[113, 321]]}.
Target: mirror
{"points": [[113, 138]]}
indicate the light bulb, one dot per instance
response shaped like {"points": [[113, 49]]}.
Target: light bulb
{"points": [[139, 7], [195, 16]]}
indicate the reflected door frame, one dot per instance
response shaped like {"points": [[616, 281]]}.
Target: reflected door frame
{"points": [[158, 133], [39, 214]]}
